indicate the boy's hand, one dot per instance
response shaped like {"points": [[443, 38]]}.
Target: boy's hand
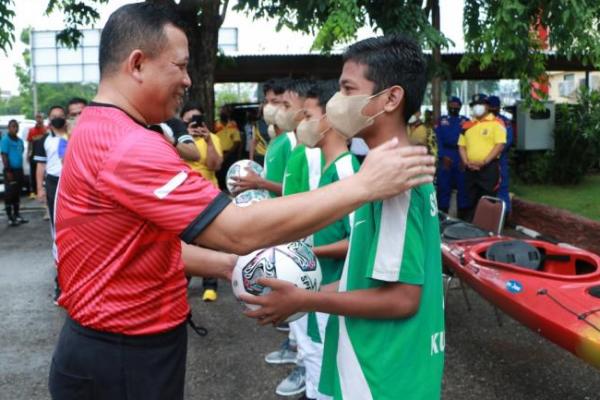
{"points": [[250, 181], [284, 300], [390, 169]]}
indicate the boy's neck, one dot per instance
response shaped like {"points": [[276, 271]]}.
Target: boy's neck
{"points": [[333, 146], [386, 133]]}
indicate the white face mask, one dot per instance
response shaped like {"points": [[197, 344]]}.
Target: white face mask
{"points": [[308, 132], [479, 110], [345, 113], [286, 119], [271, 131], [269, 111]]}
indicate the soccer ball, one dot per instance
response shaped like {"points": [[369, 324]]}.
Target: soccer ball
{"points": [[248, 197], [294, 262], [239, 169]]}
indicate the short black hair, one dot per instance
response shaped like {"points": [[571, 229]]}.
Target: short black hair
{"points": [[191, 105], [276, 85], [392, 60], [13, 121], [135, 26], [323, 91], [299, 86], [55, 107], [77, 100]]}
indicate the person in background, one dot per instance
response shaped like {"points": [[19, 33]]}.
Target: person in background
{"points": [[480, 146], [49, 154], [260, 139], [74, 108], [11, 149], [450, 172], [229, 135], [208, 146], [35, 133], [420, 133], [503, 190]]}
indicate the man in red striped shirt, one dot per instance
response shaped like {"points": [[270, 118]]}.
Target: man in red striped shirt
{"points": [[126, 201]]}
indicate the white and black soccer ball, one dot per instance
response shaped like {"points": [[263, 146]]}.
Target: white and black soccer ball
{"points": [[239, 169], [249, 197], [294, 262]]}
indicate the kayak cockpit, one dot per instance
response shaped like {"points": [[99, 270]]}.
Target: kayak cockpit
{"points": [[536, 256]]}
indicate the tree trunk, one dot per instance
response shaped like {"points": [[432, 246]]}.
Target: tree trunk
{"points": [[436, 83], [203, 21]]}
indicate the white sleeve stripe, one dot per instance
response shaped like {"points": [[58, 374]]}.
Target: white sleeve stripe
{"points": [[40, 159], [313, 157], [292, 138], [173, 183], [345, 169], [392, 236]]}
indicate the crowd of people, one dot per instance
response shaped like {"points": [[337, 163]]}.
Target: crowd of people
{"points": [[136, 211]]}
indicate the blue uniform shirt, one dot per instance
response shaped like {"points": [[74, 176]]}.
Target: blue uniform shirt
{"points": [[13, 148], [447, 131]]}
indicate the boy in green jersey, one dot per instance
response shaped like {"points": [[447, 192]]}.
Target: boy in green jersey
{"points": [[331, 242], [390, 338], [287, 118]]}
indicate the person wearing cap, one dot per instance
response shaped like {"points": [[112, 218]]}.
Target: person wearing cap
{"points": [[450, 173], [420, 133], [494, 107], [480, 145]]}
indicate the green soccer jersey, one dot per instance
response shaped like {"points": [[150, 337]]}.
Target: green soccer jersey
{"points": [[303, 170], [395, 240], [342, 167], [277, 156]]}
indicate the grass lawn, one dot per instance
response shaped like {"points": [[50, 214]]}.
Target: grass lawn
{"points": [[582, 199]]}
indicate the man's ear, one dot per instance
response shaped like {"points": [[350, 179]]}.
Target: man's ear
{"points": [[134, 64], [395, 98]]}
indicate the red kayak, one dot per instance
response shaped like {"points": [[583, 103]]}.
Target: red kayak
{"points": [[552, 289]]}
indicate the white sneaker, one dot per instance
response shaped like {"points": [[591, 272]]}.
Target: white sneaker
{"points": [[294, 384], [285, 355]]}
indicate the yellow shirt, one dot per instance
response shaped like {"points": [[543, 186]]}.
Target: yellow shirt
{"points": [[424, 136], [261, 144], [228, 134], [481, 136], [200, 166]]}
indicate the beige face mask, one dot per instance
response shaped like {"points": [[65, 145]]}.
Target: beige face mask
{"points": [[269, 111], [308, 132], [345, 113], [286, 119]]}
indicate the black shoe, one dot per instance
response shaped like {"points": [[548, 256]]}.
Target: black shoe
{"points": [[21, 220], [13, 222], [56, 295]]}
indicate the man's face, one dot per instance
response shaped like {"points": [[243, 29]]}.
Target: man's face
{"points": [[272, 98], [165, 77], [74, 110], [353, 82], [13, 128], [56, 113], [39, 120]]}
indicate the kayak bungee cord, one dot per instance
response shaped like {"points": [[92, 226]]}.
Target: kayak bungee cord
{"points": [[582, 316]]}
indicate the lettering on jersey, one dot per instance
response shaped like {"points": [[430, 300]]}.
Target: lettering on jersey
{"points": [[438, 343], [173, 184], [433, 204]]}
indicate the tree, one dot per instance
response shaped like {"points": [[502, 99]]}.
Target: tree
{"points": [[203, 19]]}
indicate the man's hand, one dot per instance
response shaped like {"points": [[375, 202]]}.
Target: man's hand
{"points": [[251, 181], [284, 300], [474, 166], [390, 170], [447, 163]]}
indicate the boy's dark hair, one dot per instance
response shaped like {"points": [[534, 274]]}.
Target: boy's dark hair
{"points": [[191, 105], [276, 85], [135, 26], [393, 60], [13, 121], [323, 91], [77, 100], [299, 86], [55, 107]]}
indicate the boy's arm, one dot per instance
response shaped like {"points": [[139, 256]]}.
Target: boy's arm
{"points": [[254, 181], [390, 301], [337, 250]]}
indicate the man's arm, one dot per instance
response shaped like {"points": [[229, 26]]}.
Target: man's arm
{"points": [[7, 170], [199, 261], [494, 154], [390, 301], [387, 171], [39, 176], [337, 250]]}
